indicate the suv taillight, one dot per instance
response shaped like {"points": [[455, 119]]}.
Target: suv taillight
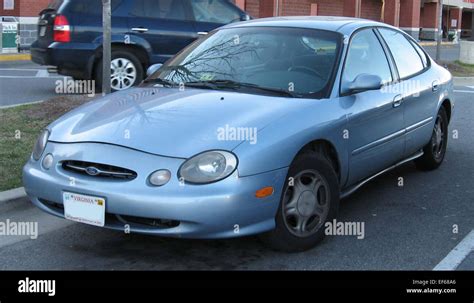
{"points": [[62, 29]]}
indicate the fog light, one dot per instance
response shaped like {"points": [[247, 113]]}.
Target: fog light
{"points": [[48, 161], [160, 177]]}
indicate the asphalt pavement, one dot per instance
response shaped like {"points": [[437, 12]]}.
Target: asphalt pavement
{"points": [[449, 53], [409, 227], [24, 82]]}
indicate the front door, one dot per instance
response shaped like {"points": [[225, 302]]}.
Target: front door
{"points": [[375, 118]]}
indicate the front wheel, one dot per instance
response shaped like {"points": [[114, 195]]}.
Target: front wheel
{"points": [[310, 199], [435, 150], [126, 71]]}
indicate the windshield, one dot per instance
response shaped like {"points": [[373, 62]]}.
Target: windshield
{"points": [[287, 61]]}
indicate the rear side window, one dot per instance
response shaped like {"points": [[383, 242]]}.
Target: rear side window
{"points": [[214, 11], [421, 53], [92, 7], [406, 58], [160, 9]]}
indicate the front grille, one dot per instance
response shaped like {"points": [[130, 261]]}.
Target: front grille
{"points": [[56, 207], [99, 170], [157, 223]]}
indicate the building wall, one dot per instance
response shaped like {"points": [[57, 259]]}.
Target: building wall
{"points": [[253, 8], [25, 8], [371, 9]]}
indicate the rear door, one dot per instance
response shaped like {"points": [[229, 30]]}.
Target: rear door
{"points": [[211, 14], [418, 86], [86, 20], [165, 25]]}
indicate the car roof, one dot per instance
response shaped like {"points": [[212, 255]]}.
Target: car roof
{"points": [[344, 25]]}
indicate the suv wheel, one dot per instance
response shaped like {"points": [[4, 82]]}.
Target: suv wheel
{"points": [[126, 71], [307, 203]]}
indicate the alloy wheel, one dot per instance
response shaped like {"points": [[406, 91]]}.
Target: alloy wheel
{"points": [[123, 74], [306, 203], [438, 140]]}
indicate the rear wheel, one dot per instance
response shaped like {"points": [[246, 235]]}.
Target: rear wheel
{"points": [[435, 150], [126, 71], [310, 199]]}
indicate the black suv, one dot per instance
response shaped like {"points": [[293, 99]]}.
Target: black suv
{"points": [[144, 32]]}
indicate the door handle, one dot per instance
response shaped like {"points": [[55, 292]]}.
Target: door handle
{"points": [[202, 33], [435, 85], [397, 101], [139, 29]]}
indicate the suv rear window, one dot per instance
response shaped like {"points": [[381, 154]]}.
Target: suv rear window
{"points": [[55, 4]]}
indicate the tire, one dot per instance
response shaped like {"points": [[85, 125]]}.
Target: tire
{"points": [[287, 236], [124, 75], [435, 150]]}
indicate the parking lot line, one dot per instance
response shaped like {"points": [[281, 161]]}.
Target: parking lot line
{"points": [[458, 254]]}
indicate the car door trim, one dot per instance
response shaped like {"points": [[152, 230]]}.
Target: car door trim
{"points": [[419, 124], [378, 142], [391, 136]]}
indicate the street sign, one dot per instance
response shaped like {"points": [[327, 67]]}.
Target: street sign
{"points": [[9, 32]]}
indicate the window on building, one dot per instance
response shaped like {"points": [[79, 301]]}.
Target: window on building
{"points": [[406, 58], [366, 55]]}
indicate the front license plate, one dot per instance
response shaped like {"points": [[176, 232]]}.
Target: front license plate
{"points": [[42, 31], [84, 209]]}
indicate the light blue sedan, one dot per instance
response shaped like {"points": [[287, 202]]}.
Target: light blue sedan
{"points": [[258, 128]]}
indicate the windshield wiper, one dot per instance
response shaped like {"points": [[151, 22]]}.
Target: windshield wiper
{"points": [[216, 84], [163, 82]]}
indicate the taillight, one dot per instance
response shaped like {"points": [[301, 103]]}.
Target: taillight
{"points": [[62, 29]]}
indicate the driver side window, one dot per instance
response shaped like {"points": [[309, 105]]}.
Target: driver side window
{"points": [[365, 56]]}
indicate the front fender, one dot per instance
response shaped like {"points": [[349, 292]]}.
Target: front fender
{"points": [[279, 143]]}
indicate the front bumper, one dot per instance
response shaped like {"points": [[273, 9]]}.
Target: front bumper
{"points": [[220, 210]]}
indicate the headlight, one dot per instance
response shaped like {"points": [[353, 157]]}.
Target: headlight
{"points": [[208, 167], [40, 144]]}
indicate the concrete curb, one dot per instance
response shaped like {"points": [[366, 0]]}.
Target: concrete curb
{"points": [[12, 194], [433, 43], [16, 105], [15, 57], [463, 81]]}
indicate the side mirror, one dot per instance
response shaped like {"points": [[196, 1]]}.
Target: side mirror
{"points": [[364, 82], [152, 69], [245, 17]]}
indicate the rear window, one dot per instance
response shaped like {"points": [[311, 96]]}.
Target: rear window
{"points": [[55, 4]]}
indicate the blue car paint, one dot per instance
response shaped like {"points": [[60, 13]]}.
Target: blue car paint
{"points": [[183, 124]]}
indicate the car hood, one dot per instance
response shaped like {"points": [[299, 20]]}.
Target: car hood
{"points": [[170, 122]]}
